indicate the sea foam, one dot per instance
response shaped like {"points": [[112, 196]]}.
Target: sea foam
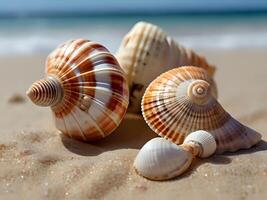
{"points": [[42, 42]]}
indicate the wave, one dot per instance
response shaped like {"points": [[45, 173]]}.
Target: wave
{"points": [[226, 41], [31, 44]]}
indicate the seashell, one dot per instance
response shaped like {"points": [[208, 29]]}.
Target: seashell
{"points": [[204, 144], [146, 52], [85, 88], [182, 100], [160, 159]]}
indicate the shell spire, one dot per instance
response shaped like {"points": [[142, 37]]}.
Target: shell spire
{"points": [[85, 88], [45, 92], [183, 100], [200, 143], [199, 92], [146, 52]]}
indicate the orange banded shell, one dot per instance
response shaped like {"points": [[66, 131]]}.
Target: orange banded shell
{"points": [[147, 51], [182, 100], [86, 89]]}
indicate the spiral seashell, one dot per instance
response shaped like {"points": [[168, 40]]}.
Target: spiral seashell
{"points": [[182, 100], [85, 88], [160, 159], [203, 143], [146, 52]]}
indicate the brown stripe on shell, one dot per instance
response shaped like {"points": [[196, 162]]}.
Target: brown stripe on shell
{"points": [[84, 59], [73, 86], [69, 76], [75, 60], [59, 59]]}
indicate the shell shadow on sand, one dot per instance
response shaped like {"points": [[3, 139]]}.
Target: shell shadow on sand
{"points": [[125, 138], [132, 133], [216, 159], [261, 146], [221, 159]]}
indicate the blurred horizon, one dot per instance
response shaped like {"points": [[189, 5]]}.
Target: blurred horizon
{"points": [[79, 8], [38, 26]]}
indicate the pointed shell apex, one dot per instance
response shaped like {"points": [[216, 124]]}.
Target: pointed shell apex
{"points": [[199, 91], [205, 140]]}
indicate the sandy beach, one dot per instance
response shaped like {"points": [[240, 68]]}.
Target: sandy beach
{"points": [[38, 162]]}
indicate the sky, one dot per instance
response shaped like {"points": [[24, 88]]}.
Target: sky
{"points": [[24, 7]]}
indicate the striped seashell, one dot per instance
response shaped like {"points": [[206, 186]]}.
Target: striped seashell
{"points": [[160, 159], [182, 100], [146, 52], [85, 88]]}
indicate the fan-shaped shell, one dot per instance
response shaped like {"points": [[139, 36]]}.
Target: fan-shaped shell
{"points": [[160, 159], [182, 100], [92, 86], [146, 52]]}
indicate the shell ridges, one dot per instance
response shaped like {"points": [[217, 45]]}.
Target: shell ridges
{"points": [[205, 140], [171, 112], [145, 52], [94, 89], [159, 159]]}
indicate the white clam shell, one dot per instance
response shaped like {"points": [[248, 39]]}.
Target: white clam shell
{"points": [[205, 140], [160, 159]]}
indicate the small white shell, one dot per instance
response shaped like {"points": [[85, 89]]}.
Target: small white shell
{"points": [[160, 159], [205, 140]]}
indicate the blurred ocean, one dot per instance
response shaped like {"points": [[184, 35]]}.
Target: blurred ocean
{"points": [[37, 35]]}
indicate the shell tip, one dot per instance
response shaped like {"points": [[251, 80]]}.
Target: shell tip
{"points": [[31, 93], [45, 92]]}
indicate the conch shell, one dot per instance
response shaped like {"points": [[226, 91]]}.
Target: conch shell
{"points": [[182, 100], [85, 88], [146, 52], [160, 159]]}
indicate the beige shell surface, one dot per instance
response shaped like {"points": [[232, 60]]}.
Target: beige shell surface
{"points": [[160, 159], [85, 88], [182, 100], [146, 52]]}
